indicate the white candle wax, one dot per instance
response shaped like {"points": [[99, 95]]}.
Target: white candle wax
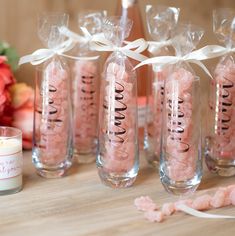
{"points": [[10, 163]]}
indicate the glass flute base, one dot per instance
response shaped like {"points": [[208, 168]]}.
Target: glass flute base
{"points": [[180, 187], [115, 180], [84, 157], [151, 156], [47, 171], [152, 159], [225, 168]]}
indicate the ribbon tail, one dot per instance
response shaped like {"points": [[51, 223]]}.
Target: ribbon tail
{"points": [[33, 60], [200, 64], [208, 52], [161, 60], [72, 35], [80, 58], [25, 59], [200, 214], [134, 55]]}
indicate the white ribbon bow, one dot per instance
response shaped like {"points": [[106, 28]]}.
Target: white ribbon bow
{"points": [[155, 46], [41, 55], [98, 42], [207, 52], [131, 49], [85, 38], [195, 57], [212, 51]]}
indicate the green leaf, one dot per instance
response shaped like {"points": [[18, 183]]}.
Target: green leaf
{"points": [[12, 57], [1, 48]]}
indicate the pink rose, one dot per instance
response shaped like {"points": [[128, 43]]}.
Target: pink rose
{"points": [[22, 95], [6, 79], [23, 120], [22, 103]]}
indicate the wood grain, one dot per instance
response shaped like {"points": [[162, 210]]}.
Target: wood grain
{"points": [[79, 204]]}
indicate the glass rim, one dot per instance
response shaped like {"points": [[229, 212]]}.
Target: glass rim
{"points": [[17, 132]]}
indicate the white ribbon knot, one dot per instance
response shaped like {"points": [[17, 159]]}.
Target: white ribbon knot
{"points": [[85, 38], [131, 49], [155, 46], [195, 57], [41, 55]]}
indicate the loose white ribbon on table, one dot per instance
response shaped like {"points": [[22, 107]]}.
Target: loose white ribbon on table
{"points": [[200, 214], [155, 46], [41, 55], [131, 49]]}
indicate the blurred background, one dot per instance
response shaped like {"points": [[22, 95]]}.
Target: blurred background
{"points": [[19, 22]]}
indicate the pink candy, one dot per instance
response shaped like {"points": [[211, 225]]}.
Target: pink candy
{"points": [[218, 199], [223, 109], [168, 209], [154, 216], [202, 202], [232, 197], [187, 202], [222, 197], [157, 105], [52, 125], [182, 157], [119, 120], [145, 203], [85, 102]]}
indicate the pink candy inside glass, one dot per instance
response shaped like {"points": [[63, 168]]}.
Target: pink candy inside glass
{"points": [[181, 161], [118, 105], [52, 115], [85, 85]]}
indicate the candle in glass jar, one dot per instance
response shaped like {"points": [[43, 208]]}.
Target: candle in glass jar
{"points": [[10, 160]]}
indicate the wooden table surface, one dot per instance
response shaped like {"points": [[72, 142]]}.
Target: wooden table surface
{"points": [[79, 204]]}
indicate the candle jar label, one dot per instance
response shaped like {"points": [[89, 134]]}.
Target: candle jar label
{"points": [[11, 165]]}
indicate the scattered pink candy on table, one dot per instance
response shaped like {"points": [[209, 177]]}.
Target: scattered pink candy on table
{"points": [[154, 216], [168, 208], [221, 198], [145, 203], [202, 203]]}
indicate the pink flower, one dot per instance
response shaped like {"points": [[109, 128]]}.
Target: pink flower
{"points": [[6, 79], [22, 95], [22, 103], [23, 120]]}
